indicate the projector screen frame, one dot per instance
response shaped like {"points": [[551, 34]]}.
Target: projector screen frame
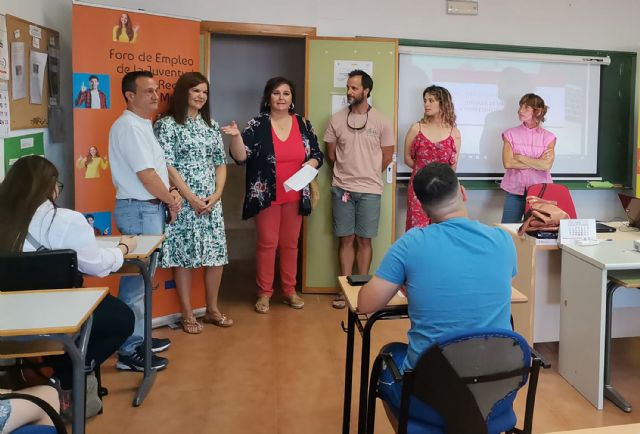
{"points": [[617, 118]]}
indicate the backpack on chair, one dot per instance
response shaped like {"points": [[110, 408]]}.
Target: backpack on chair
{"points": [[552, 192], [546, 204]]}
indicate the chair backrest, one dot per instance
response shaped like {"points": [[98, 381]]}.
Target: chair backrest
{"points": [[556, 192], [46, 269], [469, 377]]}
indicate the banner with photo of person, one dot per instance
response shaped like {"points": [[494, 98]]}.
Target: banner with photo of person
{"points": [[108, 43]]}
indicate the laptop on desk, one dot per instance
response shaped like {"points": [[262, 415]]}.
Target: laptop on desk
{"points": [[631, 206], [603, 228]]}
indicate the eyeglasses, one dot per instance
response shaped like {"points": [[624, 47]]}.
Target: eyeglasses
{"points": [[60, 186], [365, 121]]}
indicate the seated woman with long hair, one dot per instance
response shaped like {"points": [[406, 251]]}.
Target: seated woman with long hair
{"points": [[28, 194]]}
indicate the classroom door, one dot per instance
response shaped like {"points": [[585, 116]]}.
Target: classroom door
{"points": [[240, 65], [325, 60]]}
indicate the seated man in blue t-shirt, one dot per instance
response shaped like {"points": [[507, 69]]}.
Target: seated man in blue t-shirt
{"points": [[457, 272]]}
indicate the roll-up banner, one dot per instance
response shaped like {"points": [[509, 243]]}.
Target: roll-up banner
{"points": [[108, 43]]}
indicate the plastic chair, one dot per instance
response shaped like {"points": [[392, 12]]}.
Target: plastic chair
{"points": [[556, 192], [45, 269], [58, 425], [464, 384]]}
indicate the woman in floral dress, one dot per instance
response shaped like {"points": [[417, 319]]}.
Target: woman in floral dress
{"points": [[195, 156], [274, 146], [433, 139]]}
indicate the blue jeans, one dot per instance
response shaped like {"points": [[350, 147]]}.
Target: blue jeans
{"points": [[134, 217], [391, 391], [513, 209]]}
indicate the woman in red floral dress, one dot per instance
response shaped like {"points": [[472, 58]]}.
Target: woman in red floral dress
{"points": [[433, 139]]}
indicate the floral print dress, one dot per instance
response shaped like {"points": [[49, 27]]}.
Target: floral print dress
{"points": [[423, 152], [5, 412], [194, 150]]}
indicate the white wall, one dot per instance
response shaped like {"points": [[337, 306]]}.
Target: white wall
{"points": [[587, 24], [55, 14]]}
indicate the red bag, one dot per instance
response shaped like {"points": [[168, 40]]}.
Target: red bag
{"points": [[542, 215], [553, 192]]}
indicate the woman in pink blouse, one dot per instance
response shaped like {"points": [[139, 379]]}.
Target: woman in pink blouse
{"points": [[527, 156]]}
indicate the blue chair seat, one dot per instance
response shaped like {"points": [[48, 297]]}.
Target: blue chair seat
{"points": [[466, 382], [35, 429]]}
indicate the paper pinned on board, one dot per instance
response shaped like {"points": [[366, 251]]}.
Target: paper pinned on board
{"points": [[18, 78], [342, 68], [301, 178], [4, 49], [5, 119], [36, 82]]}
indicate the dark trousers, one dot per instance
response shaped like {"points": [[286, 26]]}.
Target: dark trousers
{"points": [[113, 323]]}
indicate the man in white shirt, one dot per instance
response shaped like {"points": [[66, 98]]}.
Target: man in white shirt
{"points": [[140, 176], [93, 97]]}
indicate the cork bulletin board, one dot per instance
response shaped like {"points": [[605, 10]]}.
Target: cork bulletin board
{"points": [[34, 38]]}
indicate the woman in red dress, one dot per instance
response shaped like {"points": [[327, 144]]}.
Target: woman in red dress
{"points": [[433, 139]]}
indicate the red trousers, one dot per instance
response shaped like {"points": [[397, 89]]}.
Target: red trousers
{"points": [[278, 228]]}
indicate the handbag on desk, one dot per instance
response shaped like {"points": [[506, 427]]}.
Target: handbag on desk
{"points": [[543, 215]]}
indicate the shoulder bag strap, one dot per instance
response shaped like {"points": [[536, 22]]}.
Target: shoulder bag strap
{"points": [[39, 247]]}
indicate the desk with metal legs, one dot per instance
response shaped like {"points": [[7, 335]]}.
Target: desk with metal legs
{"points": [[31, 320], [539, 275], [143, 260], [617, 279], [397, 308], [585, 317]]}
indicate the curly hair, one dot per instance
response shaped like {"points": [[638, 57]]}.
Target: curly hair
{"points": [[442, 95]]}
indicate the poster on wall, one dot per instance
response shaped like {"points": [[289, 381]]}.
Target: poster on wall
{"points": [[108, 43], [342, 68], [37, 64], [20, 146], [5, 117], [18, 77], [4, 49]]}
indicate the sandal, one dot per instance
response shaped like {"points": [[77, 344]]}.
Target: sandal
{"points": [[191, 326], [262, 305], [339, 302], [217, 318]]}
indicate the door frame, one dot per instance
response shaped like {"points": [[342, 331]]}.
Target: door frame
{"points": [[329, 290], [247, 29]]}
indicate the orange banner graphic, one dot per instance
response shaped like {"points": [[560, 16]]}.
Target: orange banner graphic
{"points": [[108, 43]]}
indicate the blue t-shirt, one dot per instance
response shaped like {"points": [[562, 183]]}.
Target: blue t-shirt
{"points": [[458, 276]]}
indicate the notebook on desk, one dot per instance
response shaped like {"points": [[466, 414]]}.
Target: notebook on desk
{"points": [[631, 206]]}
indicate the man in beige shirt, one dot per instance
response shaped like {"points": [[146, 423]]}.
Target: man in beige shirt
{"points": [[360, 145]]}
